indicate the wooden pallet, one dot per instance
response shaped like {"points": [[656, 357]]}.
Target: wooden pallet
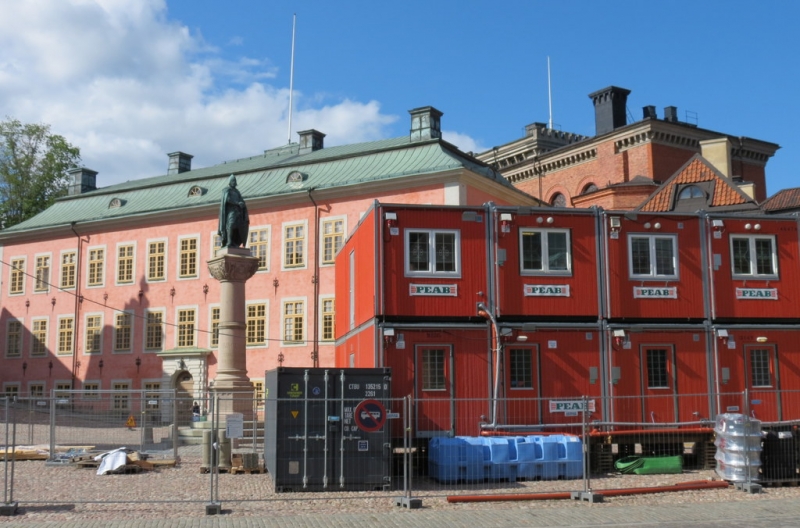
{"points": [[247, 471]]}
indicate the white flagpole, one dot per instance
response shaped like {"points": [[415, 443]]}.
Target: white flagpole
{"points": [[291, 78]]}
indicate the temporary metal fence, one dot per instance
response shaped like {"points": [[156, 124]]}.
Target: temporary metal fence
{"points": [[403, 450]]}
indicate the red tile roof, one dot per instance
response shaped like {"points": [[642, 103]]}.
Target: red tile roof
{"points": [[782, 200]]}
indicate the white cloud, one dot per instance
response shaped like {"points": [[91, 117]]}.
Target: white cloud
{"points": [[127, 85], [463, 141]]}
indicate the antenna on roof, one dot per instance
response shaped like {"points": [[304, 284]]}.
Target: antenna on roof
{"points": [[291, 77], [549, 96]]}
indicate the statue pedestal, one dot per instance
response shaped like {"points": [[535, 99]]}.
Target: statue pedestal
{"points": [[232, 267]]}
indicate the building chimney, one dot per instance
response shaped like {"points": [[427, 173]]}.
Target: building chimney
{"points": [[671, 114], [82, 180], [649, 112], [718, 153], [610, 109], [310, 140], [425, 123], [179, 162]]}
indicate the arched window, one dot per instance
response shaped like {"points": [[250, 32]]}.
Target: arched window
{"points": [[590, 188], [692, 191], [115, 202], [196, 191], [558, 200]]}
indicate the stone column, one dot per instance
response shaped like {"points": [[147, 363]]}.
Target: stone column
{"points": [[232, 267]]}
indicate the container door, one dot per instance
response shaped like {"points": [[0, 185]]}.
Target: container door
{"points": [[659, 404], [435, 406], [522, 386], [761, 377]]}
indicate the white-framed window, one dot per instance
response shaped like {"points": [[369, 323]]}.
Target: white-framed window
{"points": [[91, 390], [123, 332], [42, 282], [258, 241], [433, 253], [257, 324], [14, 338], [188, 257], [186, 335], [66, 335], [36, 389], [39, 337], [69, 260], [653, 256], [216, 243], [214, 320], [154, 330], [62, 389], [294, 318], [96, 267], [11, 390], [328, 316], [126, 260], [157, 260], [16, 279], [93, 330], [152, 394], [258, 392], [545, 251], [121, 395], [332, 233], [754, 256], [294, 245]]}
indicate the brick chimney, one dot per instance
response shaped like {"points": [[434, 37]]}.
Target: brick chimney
{"points": [[82, 180], [179, 162], [425, 123], [610, 109], [310, 140]]}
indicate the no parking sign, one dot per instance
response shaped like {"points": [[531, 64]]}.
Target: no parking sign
{"points": [[370, 416]]}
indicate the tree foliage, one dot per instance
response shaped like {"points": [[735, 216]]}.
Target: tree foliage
{"points": [[33, 169]]}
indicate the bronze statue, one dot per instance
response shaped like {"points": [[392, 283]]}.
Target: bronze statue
{"points": [[234, 222]]}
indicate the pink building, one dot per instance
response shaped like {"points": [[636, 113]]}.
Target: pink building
{"points": [[109, 288]]}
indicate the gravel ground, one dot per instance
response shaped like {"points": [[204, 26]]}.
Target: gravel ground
{"points": [[49, 493]]}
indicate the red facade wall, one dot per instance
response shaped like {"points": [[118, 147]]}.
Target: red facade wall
{"points": [[684, 297]]}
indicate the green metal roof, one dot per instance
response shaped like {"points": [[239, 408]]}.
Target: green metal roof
{"points": [[259, 177]]}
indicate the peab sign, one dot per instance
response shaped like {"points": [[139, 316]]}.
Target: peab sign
{"points": [[640, 292], [546, 290], [567, 406], [436, 290], [770, 294]]}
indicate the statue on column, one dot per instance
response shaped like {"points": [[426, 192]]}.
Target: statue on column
{"points": [[234, 222]]}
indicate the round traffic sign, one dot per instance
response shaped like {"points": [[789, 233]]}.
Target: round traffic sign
{"points": [[370, 415]]}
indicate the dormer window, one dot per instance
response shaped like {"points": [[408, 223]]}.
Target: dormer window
{"points": [[692, 191], [115, 203], [196, 191]]}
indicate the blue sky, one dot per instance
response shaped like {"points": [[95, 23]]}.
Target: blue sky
{"points": [[130, 81]]}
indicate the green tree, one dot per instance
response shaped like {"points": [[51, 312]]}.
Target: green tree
{"points": [[33, 169]]}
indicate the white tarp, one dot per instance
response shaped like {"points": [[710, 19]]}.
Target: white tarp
{"points": [[112, 460]]}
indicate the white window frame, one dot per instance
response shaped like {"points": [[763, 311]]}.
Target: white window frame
{"points": [[545, 242], [266, 323], [196, 238], [11, 384], [131, 331], [36, 383], [47, 349], [268, 256], [58, 336], [177, 328], [754, 275], [21, 322], [93, 394], [322, 222], [133, 267], [128, 394], [163, 312], [85, 332], [75, 274], [431, 272], [653, 275], [306, 319], [212, 237], [322, 314], [47, 280], [294, 223], [147, 278], [211, 308], [12, 269], [88, 263]]}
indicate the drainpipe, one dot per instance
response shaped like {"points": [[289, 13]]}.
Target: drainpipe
{"points": [[315, 280], [601, 239], [496, 347], [76, 322]]}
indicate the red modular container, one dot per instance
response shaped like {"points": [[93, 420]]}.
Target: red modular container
{"points": [[654, 267], [755, 266], [434, 261], [550, 266], [356, 278], [447, 372], [660, 376], [766, 363]]}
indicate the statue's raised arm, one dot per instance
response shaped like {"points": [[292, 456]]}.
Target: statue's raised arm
{"points": [[234, 222]]}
